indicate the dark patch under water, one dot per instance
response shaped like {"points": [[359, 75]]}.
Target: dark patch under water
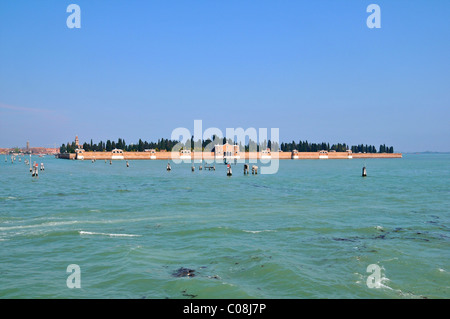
{"points": [[183, 272], [342, 239], [184, 293]]}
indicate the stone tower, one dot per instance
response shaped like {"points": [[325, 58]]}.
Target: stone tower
{"points": [[77, 142]]}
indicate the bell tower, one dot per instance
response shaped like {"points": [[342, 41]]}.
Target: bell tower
{"points": [[77, 142]]}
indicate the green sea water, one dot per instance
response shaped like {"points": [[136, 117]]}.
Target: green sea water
{"points": [[308, 231]]}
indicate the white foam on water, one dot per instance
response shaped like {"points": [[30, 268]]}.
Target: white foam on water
{"points": [[107, 234], [49, 224], [257, 231], [7, 198], [382, 284], [71, 222], [391, 259]]}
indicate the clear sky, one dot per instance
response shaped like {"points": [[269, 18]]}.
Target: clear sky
{"points": [[139, 69]]}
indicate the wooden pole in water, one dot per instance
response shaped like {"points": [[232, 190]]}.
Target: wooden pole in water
{"points": [[35, 170], [364, 173], [229, 172]]}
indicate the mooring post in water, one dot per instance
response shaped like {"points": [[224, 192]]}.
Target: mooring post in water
{"points": [[229, 172], [245, 169], [254, 169], [128, 165], [110, 162], [35, 170], [364, 173], [168, 167], [42, 166]]}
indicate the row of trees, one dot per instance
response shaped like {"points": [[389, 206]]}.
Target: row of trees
{"points": [[305, 146], [167, 145], [340, 147], [371, 149], [108, 146]]}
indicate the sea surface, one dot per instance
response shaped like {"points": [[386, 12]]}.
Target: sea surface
{"points": [[309, 231]]}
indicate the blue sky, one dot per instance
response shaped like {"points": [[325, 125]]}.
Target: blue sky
{"points": [[140, 69]]}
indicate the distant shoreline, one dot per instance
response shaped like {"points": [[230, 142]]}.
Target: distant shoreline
{"points": [[212, 156], [31, 150]]}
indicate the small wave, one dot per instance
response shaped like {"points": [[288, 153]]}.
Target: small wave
{"points": [[107, 234], [257, 231], [382, 282], [8, 198], [48, 224]]}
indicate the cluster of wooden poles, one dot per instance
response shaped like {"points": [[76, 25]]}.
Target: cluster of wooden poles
{"points": [[34, 168], [169, 168]]}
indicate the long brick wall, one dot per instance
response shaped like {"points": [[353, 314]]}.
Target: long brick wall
{"points": [[209, 156]]}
